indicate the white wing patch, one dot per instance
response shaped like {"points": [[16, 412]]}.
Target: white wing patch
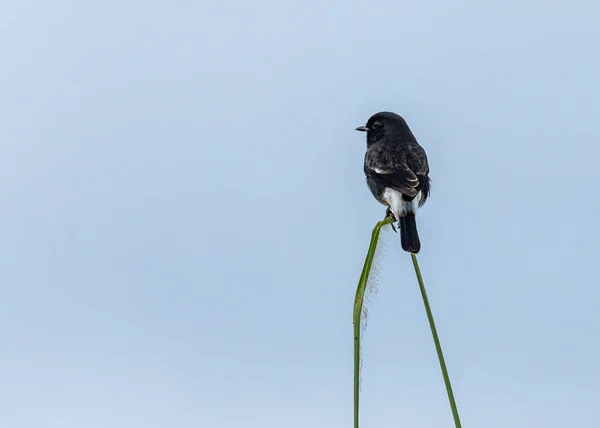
{"points": [[385, 172]]}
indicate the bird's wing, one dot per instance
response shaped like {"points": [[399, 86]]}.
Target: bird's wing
{"points": [[416, 158], [388, 164]]}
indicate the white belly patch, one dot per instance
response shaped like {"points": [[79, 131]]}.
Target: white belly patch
{"points": [[397, 205]]}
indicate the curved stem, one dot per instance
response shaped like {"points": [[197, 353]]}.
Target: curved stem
{"points": [[436, 340], [358, 305]]}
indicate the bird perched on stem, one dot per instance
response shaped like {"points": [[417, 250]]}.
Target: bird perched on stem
{"points": [[397, 172]]}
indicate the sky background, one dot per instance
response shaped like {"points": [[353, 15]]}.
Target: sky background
{"points": [[184, 215]]}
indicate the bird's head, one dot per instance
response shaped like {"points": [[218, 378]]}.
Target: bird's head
{"points": [[385, 123]]}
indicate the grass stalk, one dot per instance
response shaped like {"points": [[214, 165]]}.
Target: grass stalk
{"points": [[358, 309], [436, 340]]}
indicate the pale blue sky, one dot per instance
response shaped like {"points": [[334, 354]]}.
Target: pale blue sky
{"points": [[184, 214]]}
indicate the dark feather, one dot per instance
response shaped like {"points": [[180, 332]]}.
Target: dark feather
{"points": [[409, 237], [392, 165]]}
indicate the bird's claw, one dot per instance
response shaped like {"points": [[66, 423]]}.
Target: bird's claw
{"points": [[388, 213]]}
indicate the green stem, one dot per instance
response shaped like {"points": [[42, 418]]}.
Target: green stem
{"points": [[358, 305], [436, 340]]}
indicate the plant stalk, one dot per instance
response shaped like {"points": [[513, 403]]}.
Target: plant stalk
{"points": [[358, 305], [436, 340]]}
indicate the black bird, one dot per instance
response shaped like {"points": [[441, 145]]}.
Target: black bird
{"points": [[397, 172]]}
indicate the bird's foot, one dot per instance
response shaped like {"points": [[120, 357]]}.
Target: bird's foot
{"points": [[388, 213]]}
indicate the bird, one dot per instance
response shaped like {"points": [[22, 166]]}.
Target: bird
{"points": [[397, 173]]}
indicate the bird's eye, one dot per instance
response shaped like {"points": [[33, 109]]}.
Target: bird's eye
{"points": [[376, 125]]}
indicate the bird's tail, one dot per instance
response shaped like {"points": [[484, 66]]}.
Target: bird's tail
{"points": [[409, 237]]}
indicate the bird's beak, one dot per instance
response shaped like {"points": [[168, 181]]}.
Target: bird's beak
{"points": [[362, 129]]}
